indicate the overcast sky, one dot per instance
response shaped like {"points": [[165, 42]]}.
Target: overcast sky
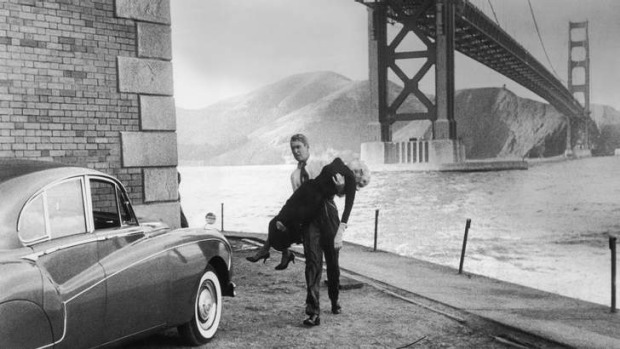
{"points": [[223, 48]]}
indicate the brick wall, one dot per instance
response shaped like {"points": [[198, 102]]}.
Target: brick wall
{"points": [[59, 98], [89, 82]]}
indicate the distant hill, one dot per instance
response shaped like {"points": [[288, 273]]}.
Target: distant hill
{"points": [[334, 112], [607, 120]]}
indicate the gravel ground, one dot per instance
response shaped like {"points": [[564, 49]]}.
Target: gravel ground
{"points": [[269, 309]]}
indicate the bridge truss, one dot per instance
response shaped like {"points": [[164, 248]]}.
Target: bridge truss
{"points": [[464, 28]]}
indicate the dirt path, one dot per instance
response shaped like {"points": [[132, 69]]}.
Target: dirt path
{"points": [[269, 309]]}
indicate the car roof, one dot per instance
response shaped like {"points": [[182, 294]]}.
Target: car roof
{"points": [[11, 168]]}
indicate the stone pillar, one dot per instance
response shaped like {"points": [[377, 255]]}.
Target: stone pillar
{"points": [[149, 74]]}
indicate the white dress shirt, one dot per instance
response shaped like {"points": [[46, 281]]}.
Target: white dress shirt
{"points": [[313, 167]]}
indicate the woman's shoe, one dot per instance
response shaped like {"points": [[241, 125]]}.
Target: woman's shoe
{"points": [[258, 256], [313, 320], [285, 261]]}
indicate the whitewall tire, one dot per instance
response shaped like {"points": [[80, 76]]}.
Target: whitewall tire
{"points": [[207, 310]]}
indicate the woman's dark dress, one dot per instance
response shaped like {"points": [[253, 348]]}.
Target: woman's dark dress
{"points": [[304, 205]]}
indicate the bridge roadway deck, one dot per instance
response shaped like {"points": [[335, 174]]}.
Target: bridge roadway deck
{"points": [[563, 320]]}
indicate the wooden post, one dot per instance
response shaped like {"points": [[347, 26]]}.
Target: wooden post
{"points": [[467, 225], [612, 246], [376, 227], [222, 217]]}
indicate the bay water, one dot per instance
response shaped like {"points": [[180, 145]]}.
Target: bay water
{"points": [[547, 227]]}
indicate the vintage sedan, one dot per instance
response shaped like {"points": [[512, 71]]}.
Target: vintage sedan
{"points": [[78, 270]]}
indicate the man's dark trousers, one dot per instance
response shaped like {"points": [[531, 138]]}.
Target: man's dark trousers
{"points": [[318, 239]]}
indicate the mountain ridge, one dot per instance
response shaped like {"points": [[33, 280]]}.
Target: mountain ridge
{"points": [[334, 112]]}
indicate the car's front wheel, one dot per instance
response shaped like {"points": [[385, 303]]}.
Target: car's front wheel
{"points": [[207, 310]]}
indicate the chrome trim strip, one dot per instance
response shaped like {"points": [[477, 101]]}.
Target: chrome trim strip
{"points": [[64, 328], [125, 234], [130, 335], [34, 256], [64, 303], [230, 255], [88, 206]]}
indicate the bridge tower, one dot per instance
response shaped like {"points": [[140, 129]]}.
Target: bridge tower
{"points": [[579, 76], [444, 147]]}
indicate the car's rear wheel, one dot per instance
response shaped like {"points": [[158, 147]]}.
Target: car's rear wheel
{"points": [[207, 310]]}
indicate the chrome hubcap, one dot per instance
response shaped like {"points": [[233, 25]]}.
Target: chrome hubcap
{"points": [[206, 303]]}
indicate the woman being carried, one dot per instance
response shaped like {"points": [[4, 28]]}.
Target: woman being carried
{"points": [[303, 206]]}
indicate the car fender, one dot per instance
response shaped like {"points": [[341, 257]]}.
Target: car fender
{"points": [[195, 250], [23, 281], [23, 324]]}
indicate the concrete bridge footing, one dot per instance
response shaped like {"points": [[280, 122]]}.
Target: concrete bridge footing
{"points": [[427, 152]]}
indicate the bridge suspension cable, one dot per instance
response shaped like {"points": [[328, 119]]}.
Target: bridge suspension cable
{"points": [[542, 43], [494, 14], [487, 6]]}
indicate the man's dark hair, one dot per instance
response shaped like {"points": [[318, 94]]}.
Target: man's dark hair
{"points": [[300, 138]]}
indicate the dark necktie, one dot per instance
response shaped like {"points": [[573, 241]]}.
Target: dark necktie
{"points": [[303, 174]]}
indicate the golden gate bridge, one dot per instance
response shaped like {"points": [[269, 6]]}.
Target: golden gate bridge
{"points": [[448, 26]]}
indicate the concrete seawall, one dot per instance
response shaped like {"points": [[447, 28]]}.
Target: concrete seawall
{"points": [[465, 166]]}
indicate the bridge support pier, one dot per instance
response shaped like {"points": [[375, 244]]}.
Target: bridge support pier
{"points": [[569, 139], [444, 126], [431, 153], [444, 147], [378, 68]]}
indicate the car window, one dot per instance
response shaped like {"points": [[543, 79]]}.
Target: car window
{"points": [[127, 215], [110, 206], [65, 206], [32, 222], [56, 212], [105, 204]]}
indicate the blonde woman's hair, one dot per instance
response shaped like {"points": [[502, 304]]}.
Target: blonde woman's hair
{"points": [[360, 166]]}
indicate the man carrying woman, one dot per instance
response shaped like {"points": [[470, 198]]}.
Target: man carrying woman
{"points": [[311, 215], [305, 170]]}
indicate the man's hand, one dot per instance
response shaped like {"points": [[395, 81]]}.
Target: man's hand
{"points": [[280, 226], [338, 238], [339, 182]]}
